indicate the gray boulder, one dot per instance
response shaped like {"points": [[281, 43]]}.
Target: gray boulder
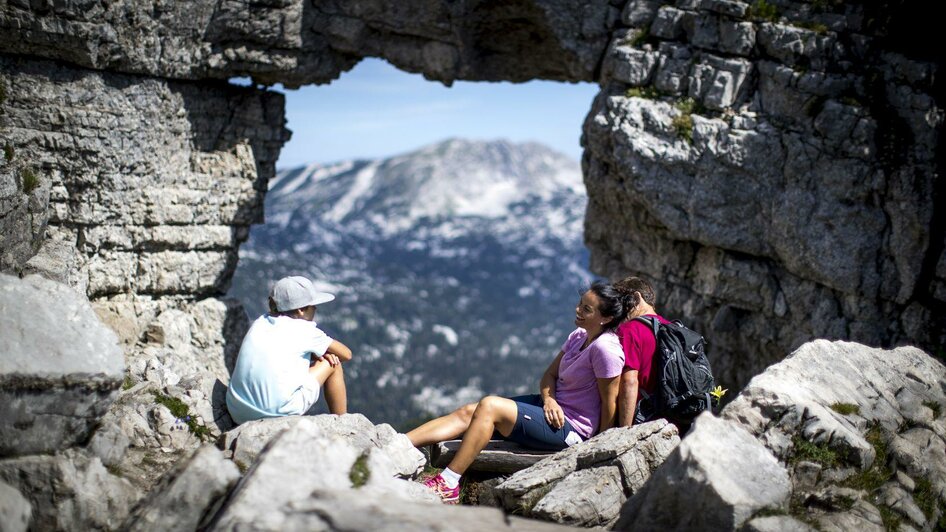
{"points": [[843, 414], [305, 458], [70, 491], [776, 523], [247, 441], [718, 477], [586, 484], [60, 369], [14, 510], [829, 392], [334, 510], [186, 493]]}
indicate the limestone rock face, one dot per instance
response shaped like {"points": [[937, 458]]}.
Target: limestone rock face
{"points": [[332, 510], [857, 427], [747, 168], [775, 175], [186, 493], [718, 477], [303, 459], [69, 491], [154, 183], [296, 42], [24, 203], [60, 369], [14, 509], [586, 484], [174, 397], [317, 475], [248, 440]]}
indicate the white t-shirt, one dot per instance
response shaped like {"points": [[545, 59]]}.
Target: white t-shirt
{"points": [[272, 369]]}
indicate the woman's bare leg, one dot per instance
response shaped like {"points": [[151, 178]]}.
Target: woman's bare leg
{"points": [[332, 380], [443, 428], [492, 413]]}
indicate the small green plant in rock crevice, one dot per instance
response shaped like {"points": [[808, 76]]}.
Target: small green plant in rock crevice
{"points": [[359, 473], [814, 452], [30, 180], [642, 38], [647, 93], [846, 409], [875, 477], [8, 152], [816, 27], [682, 124], [926, 498], [182, 412], [764, 11], [890, 518]]}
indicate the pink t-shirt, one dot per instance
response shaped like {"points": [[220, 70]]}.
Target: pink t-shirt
{"points": [[639, 344], [576, 389]]}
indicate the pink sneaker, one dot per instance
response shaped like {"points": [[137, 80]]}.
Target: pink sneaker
{"points": [[439, 486]]}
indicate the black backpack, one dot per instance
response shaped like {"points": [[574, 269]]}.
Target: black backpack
{"points": [[684, 377]]}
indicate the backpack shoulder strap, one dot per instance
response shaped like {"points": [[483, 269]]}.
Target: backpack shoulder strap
{"points": [[653, 322]]}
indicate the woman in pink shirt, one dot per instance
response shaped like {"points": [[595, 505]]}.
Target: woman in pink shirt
{"points": [[577, 396]]}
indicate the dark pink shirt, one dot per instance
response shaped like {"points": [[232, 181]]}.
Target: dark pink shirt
{"points": [[639, 344]]}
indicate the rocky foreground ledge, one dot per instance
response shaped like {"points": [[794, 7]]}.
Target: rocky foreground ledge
{"points": [[838, 436]]}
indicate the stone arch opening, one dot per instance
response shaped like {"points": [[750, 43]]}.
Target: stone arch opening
{"points": [[783, 125], [438, 248]]}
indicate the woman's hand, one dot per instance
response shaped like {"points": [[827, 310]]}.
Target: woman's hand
{"points": [[331, 359], [554, 414]]}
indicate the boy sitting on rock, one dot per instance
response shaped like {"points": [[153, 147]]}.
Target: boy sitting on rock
{"points": [[285, 359]]}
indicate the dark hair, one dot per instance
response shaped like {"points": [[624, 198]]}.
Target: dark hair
{"points": [[273, 311], [627, 288], [610, 303]]}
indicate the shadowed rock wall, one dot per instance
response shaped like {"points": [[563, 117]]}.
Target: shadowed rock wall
{"points": [[297, 42], [152, 183], [774, 172]]}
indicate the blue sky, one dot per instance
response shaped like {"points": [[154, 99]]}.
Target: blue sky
{"points": [[375, 110]]}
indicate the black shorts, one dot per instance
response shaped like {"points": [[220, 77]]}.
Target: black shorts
{"points": [[531, 430]]}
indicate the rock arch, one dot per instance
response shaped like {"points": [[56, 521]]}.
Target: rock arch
{"points": [[774, 171]]}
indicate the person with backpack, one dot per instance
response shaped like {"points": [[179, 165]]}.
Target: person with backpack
{"points": [[666, 371], [577, 397], [639, 344]]}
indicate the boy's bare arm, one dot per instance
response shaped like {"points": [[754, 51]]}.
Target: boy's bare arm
{"points": [[340, 350]]}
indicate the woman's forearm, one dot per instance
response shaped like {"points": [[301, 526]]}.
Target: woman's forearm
{"points": [[549, 377], [608, 415], [547, 386], [609, 390]]}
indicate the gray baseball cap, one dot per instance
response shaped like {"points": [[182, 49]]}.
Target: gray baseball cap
{"points": [[294, 292]]}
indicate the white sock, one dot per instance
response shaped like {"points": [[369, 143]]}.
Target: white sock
{"points": [[451, 478]]}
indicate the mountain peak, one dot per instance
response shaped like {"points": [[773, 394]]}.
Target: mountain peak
{"points": [[454, 177]]}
